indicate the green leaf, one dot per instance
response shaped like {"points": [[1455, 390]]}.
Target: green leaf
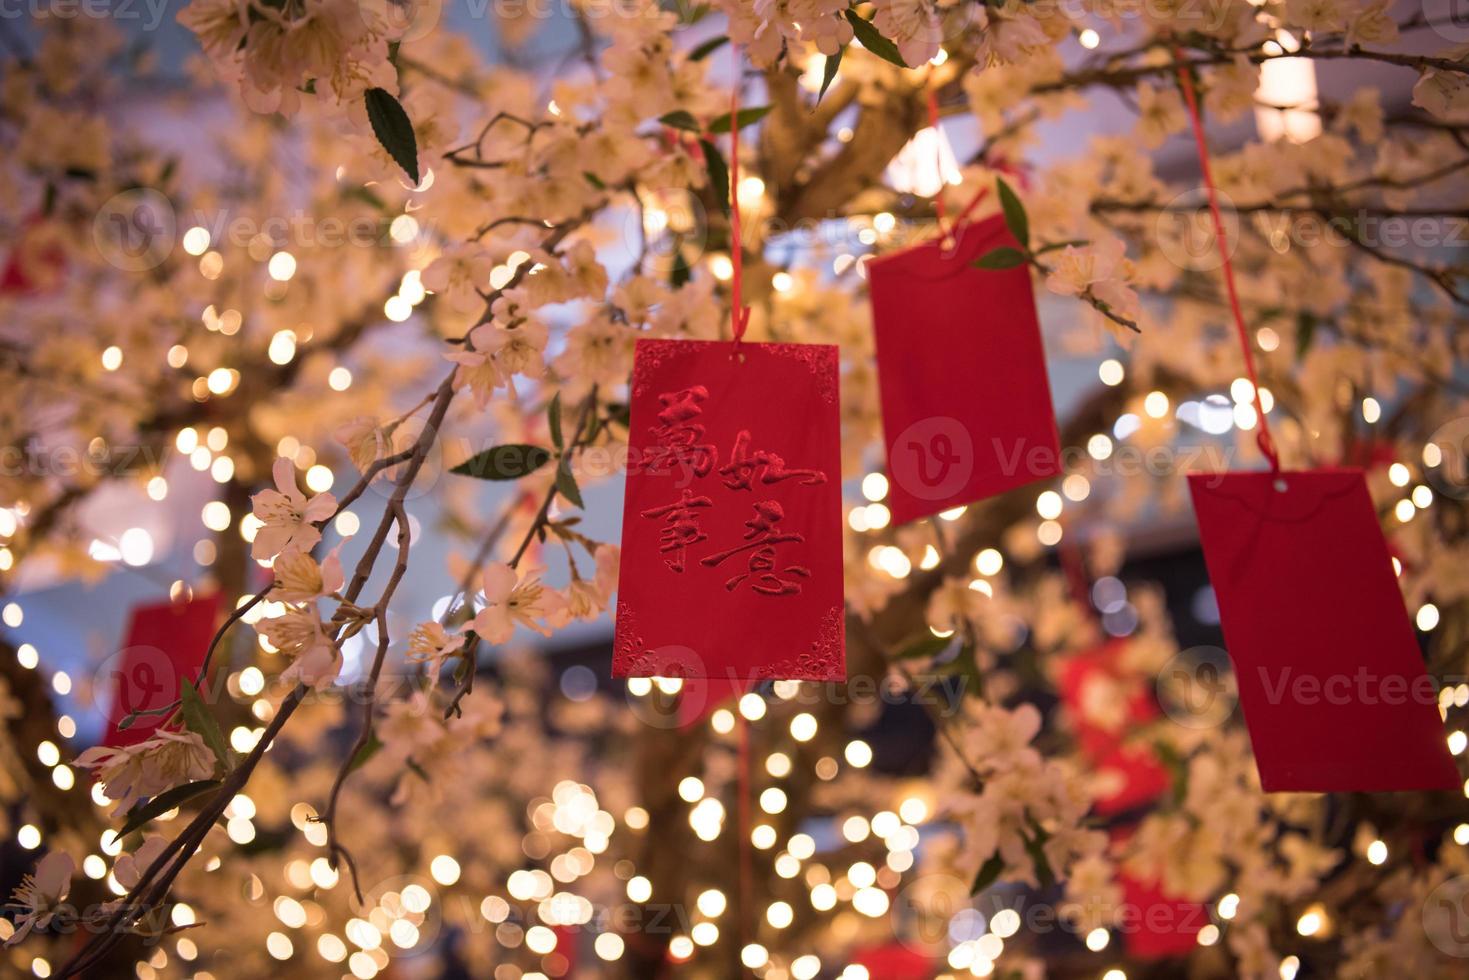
{"points": [[680, 119], [566, 485], [620, 413], [201, 722], [368, 750], [747, 117], [553, 417], [1003, 257], [1015, 218], [718, 173], [509, 462], [162, 803], [989, 873], [394, 130], [829, 71], [926, 645], [873, 40], [1057, 246], [708, 47], [1305, 333], [1036, 848]]}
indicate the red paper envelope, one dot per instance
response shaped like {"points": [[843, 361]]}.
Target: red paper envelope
{"points": [[731, 526], [966, 407], [165, 643], [1330, 677]]}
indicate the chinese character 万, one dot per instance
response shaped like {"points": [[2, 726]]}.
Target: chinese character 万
{"points": [[678, 434]]}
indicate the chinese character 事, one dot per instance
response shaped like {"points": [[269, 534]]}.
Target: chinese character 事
{"points": [[678, 436]]}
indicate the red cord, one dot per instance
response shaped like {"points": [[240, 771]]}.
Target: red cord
{"points": [[739, 314], [1262, 438]]}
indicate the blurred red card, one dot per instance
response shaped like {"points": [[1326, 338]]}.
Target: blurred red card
{"points": [[1108, 705], [731, 526], [1331, 680], [966, 407], [165, 643], [1154, 924]]}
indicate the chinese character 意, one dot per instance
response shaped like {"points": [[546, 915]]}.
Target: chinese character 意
{"points": [[761, 540]]}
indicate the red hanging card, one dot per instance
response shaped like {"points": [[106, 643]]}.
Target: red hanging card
{"points": [[1331, 680], [165, 643], [966, 407], [731, 525]]}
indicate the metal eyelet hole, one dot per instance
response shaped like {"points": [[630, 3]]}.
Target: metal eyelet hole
{"points": [[1279, 484]]}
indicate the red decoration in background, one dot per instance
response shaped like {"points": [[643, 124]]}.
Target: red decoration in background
{"points": [[966, 406], [731, 528], [1330, 676], [1129, 773], [1155, 924], [166, 642]]}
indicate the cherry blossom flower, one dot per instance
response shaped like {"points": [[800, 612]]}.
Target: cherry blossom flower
{"points": [[1098, 270], [287, 517], [128, 868], [364, 439], [42, 894], [431, 644], [155, 765], [512, 599], [459, 275], [912, 25], [298, 577]]}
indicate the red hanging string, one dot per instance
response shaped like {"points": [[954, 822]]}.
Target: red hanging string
{"points": [[932, 98], [1262, 438], [739, 314]]}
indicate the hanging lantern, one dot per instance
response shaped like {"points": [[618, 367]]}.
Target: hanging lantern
{"points": [[1286, 97]]}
